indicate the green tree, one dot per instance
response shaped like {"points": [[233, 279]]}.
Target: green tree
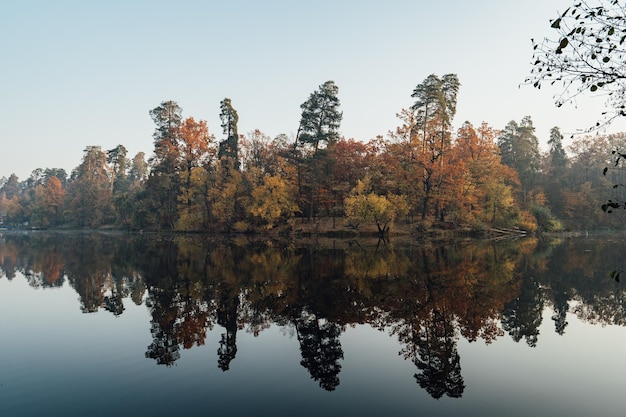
{"points": [[558, 157], [89, 191], [319, 125], [435, 106], [118, 162], [519, 149], [229, 147], [161, 199], [321, 117]]}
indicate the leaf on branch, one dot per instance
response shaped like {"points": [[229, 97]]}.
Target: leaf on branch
{"points": [[556, 24]]}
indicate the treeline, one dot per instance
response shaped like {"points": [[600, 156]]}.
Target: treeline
{"points": [[421, 174]]}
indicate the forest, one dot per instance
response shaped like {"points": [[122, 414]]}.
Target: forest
{"points": [[420, 176]]}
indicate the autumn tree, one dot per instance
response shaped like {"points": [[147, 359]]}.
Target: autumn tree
{"points": [[353, 160], [434, 108], [195, 156], [272, 201], [362, 205], [226, 190], [50, 200], [484, 174]]}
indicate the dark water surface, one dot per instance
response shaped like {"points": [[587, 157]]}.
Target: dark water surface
{"points": [[101, 325]]}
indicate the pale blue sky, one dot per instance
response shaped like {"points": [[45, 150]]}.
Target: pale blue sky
{"points": [[80, 73]]}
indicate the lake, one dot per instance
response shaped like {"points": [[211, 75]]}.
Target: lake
{"points": [[97, 324]]}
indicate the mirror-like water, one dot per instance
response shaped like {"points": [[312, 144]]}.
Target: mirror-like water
{"points": [[96, 325]]}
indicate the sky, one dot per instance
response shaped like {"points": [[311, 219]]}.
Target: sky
{"points": [[82, 73]]}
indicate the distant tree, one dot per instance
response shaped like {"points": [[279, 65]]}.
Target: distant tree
{"points": [[11, 187], [229, 147], [558, 157], [56, 172], [89, 191], [54, 196], [138, 171], [116, 158], [519, 149]]}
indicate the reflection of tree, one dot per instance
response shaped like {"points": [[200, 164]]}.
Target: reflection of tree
{"points": [[227, 317], [561, 307], [522, 316], [438, 358], [428, 296], [165, 345], [320, 348]]}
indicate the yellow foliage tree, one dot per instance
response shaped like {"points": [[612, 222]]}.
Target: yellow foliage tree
{"points": [[273, 201], [363, 206]]}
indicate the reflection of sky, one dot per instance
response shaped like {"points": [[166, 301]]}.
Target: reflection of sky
{"points": [[54, 358]]}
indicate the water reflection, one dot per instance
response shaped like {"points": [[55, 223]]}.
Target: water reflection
{"points": [[426, 296]]}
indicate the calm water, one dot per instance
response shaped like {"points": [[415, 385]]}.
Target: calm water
{"points": [[101, 325]]}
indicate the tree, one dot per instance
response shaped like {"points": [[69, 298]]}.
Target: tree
{"points": [[483, 172], [138, 171], [116, 158], [163, 183], [363, 206], [89, 191], [586, 54], [272, 201], [434, 107], [54, 195], [321, 117], [319, 124], [558, 157], [194, 151], [519, 149], [229, 147]]}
